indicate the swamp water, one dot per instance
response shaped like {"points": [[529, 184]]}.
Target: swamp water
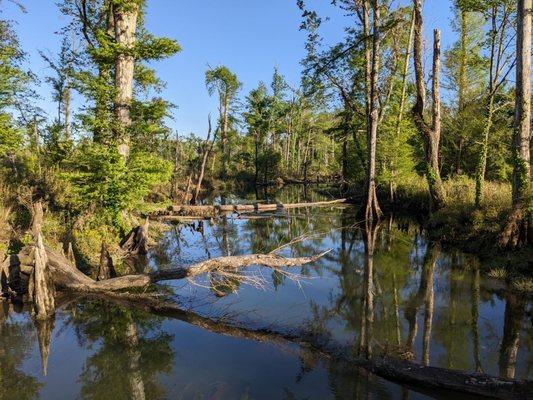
{"points": [[379, 290]]}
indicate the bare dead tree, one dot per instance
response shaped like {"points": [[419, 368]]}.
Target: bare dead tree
{"points": [[518, 225], [429, 132], [207, 149]]}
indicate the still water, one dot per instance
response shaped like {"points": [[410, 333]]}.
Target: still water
{"points": [[381, 289]]}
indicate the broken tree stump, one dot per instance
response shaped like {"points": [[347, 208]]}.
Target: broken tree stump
{"points": [[106, 270], [136, 242], [70, 255]]}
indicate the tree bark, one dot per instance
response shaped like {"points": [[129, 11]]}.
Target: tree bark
{"points": [[126, 14], [136, 241], [41, 288], [106, 270], [372, 205], [518, 225], [208, 147], [430, 134]]}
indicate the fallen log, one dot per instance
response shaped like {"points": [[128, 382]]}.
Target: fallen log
{"points": [[214, 210], [67, 276]]}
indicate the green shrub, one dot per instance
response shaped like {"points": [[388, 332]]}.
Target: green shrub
{"points": [[103, 180]]}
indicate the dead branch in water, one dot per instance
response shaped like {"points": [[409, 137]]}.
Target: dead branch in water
{"points": [[66, 276]]}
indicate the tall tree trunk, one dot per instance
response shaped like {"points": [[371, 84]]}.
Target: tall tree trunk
{"points": [[482, 163], [206, 151], [102, 114], [430, 134], [175, 171], [66, 100], [224, 117], [519, 223], [126, 14], [256, 157], [372, 205]]}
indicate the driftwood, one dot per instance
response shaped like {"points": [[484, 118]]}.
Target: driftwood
{"points": [[214, 210], [401, 371]]}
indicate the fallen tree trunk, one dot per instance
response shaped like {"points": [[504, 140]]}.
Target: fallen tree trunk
{"points": [[67, 276], [214, 210], [400, 371]]}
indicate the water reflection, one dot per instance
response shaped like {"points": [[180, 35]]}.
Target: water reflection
{"points": [[382, 289], [14, 348], [133, 351]]}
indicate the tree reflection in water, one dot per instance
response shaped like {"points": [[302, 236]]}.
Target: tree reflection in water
{"points": [[132, 351], [14, 348], [382, 289]]}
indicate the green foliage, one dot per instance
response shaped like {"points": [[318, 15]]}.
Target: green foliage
{"points": [[222, 81], [101, 178]]}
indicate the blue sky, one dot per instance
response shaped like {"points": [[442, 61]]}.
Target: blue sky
{"points": [[251, 37]]}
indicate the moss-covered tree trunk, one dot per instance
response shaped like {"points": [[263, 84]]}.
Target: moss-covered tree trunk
{"points": [[430, 133]]}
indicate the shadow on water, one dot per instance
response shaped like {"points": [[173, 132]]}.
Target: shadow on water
{"points": [[383, 289]]}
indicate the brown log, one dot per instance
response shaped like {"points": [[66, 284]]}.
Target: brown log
{"points": [[211, 210], [66, 276]]}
